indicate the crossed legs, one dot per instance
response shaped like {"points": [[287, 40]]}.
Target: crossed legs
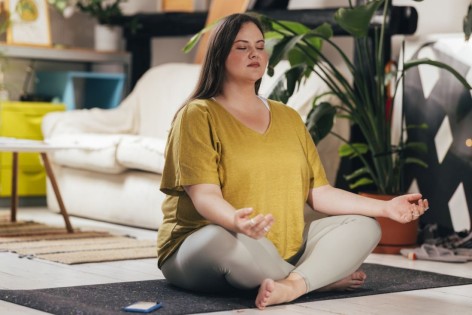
{"points": [[214, 259], [335, 248]]}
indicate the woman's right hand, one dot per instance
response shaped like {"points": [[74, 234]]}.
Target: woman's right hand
{"points": [[255, 227]]}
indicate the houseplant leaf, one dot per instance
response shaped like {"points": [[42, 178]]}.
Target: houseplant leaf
{"points": [[288, 27], [356, 20], [361, 182], [282, 48], [420, 126], [279, 92], [357, 173], [320, 120], [195, 38], [411, 160], [352, 149]]}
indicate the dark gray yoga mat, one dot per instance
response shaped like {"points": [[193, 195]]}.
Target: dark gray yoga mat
{"points": [[110, 298]]}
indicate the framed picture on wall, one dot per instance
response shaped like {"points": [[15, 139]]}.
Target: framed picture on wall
{"points": [[30, 23]]}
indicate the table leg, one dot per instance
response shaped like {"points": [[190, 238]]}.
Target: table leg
{"points": [[55, 187], [14, 186]]}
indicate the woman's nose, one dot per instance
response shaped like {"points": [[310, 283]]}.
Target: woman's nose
{"points": [[253, 54]]}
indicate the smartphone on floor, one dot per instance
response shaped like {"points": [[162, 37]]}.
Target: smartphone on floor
{"points": [[142, 307]]}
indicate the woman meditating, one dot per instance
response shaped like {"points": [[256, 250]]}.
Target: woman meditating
{"points": [[239, 170]]}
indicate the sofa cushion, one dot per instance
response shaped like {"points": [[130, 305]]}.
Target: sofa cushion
{"points": [[95, 152], [159, 94], [142, 153]]}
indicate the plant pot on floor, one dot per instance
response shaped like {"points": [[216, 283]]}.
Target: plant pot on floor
{"points": [[395, 235], [108, 38]]}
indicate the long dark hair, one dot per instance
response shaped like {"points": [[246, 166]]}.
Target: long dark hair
{"points": [[210, 82]]}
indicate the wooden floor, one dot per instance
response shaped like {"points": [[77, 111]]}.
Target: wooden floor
{"points": [[16, 273]]}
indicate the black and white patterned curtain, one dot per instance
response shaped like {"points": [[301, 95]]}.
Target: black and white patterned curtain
{"points": [[435, 97]]}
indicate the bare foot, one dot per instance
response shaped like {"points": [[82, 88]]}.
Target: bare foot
{"points": [[349, 283], [275, 292]]}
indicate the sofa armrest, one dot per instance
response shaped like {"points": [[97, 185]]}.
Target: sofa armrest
{"points": [[122, 120]]}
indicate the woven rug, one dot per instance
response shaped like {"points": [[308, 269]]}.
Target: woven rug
{"points": [[36, 240], [104, 299]]}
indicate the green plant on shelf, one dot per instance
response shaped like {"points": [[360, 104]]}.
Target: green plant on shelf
{"points": [[103, 10]]}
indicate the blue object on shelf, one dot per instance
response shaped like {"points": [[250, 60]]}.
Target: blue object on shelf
{"points": [[78, 89]]}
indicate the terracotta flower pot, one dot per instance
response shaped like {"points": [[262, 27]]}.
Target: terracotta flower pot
{"points": [[395, 235]]}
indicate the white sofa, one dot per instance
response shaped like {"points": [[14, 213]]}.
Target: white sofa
{"points": [[115, 172]]}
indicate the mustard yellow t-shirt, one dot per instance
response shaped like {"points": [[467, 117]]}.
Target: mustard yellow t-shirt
{"points": [[270, 172]]}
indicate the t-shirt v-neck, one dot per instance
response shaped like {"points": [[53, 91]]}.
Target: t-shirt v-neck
{"points": [[239, 122]]}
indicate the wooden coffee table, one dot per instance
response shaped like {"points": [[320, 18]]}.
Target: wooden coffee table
{"points": [[16, 146]]}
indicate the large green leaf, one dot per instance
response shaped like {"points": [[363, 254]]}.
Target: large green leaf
{"points": [[269, 35], [356, 20], [289, 27], [316, 36], [293, 76], [353, 149], [357, 173], [281, 49], [416, 161], [420, 126], [279, 92], [320, 120], [361, 182], [296, 42], [196, 38], [297, 57], [311, 45], [286, 84]]}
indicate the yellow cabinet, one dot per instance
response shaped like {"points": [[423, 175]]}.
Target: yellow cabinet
{"points": [[23, 120]]}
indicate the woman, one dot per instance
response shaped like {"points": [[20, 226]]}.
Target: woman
{"points": [[239, 170]]}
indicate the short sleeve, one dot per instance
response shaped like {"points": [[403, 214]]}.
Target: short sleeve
{"points": [[319, 174], [192, 151]]}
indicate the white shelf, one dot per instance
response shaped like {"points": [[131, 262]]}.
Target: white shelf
{"points": [[69, 55], [65, 54]]}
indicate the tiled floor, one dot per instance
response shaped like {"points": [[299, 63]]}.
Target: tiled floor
{"points": [[16, 273]]}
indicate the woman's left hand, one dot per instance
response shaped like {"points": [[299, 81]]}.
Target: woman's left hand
{"points": [[406, 208]]}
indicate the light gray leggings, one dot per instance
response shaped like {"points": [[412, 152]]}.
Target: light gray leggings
{"points": [[215, 259]]}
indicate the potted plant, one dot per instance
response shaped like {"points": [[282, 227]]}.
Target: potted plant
{"points": [[107, 36], [367, 102]]}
